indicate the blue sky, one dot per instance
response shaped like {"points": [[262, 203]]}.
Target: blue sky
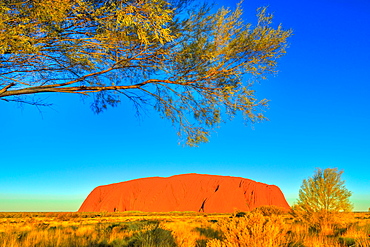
{"points": [[319, 117]]}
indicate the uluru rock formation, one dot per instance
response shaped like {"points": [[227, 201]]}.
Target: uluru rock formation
{"points": [[187, 192]]}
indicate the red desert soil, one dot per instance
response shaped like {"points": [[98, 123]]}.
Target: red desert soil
{"points": [[187, 192]]}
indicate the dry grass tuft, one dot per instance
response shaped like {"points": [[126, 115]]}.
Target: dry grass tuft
{"points": [[182, 229]]}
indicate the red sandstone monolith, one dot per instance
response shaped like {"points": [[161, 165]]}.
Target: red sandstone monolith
{"points": [[187, 192]]}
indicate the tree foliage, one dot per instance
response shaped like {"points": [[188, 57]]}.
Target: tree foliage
{"points": [[324, 191], [322, 196], [192, 64]]}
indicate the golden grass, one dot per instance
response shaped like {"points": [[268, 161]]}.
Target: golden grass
{"points": [[186, 229]]}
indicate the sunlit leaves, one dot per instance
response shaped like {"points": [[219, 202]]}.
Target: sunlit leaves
{"points": [[325, 191], [323, 195], [194, 65]]}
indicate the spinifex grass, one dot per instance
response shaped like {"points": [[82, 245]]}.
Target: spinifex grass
{"points": [[183, 229]]}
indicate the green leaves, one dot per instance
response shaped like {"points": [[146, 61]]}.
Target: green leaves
{"points": [[323, 195], [194, 65]]}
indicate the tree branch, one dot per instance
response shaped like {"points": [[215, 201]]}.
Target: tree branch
{"points": [[79, 89], [4, 89]]}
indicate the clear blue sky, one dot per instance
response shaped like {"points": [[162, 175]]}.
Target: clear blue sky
{"points": [[319, 117]]}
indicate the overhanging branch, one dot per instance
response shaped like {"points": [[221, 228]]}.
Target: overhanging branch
{"points": [[4, 89]]}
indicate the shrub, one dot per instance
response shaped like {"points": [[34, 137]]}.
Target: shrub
{"points": [[201, 243], [139, 225], [240, 214], [269, 210], [118, 242], [347, 241], [152, 238], [253, 230], [209, 232]]}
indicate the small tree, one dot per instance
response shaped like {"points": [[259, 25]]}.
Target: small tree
{"points": [[321, 197]]}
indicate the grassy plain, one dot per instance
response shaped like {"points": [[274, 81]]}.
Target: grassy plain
{"points": [[177, 229]]}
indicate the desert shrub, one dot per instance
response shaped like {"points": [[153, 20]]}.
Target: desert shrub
{"points": [[339, 231], [183, 231], [102, 243], [253, 230], [21, 235], [366, 228], [240, 214], [347, 241], [42, 225], [65, 216], [319, 222], [152, 238], [363, 242], [358, 234], [296, 244], [201, 243], [139, 225], [209, 232], [269, 210], [118, 242], [116, 227]]}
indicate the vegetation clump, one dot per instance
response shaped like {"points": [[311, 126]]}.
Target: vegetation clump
{"points": [[176, 230], [323, 200], [269, 210]]}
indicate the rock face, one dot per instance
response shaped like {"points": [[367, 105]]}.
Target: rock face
{"points": [[187, 192]]}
